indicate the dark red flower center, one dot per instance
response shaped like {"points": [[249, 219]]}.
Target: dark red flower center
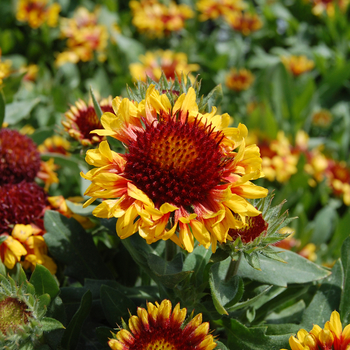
{"points": [[22, 203], [87, 120], [176, 162], [19, 157], [256, 225]]}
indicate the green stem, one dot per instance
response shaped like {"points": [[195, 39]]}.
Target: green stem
{"points": [[170, 250], [233, 268]]}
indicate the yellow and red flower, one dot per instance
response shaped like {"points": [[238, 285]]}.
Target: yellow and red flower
{"points": [[213, 9], [297, 64], [185, 173], [278, 160], [239, 80], [26, 244], [55, 144], [244, 22], [154, 63], [156, 20], [328, 6], [322, 118], [85, 37], [338, 177], [37, 12], [332, 336], [81, 119], [160, 327]]}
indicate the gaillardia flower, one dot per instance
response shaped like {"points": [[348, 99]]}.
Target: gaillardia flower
{"points": [[244, 22], [171, 63], [212, 9], [328, 6], [37, 12], [81, 119], [55, 144], [160, 327], [184, 174], [297, 64], [22, 321], [156, 19], [84, 38], [5, 69], [333, 336], [239, 80], [19, 158]]}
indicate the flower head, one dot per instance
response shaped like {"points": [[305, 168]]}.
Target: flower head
{"points": [[37, 12], [244, 22], [22, 312], [85, 37], [338, 177], [332, 336], [184, 175], [160, 327], [212, 9], [55, 144], [22, 203], [81, 119], [171, 63], [239, 80], [19, 158], [156, 19], [297, 64], [322, 118]]}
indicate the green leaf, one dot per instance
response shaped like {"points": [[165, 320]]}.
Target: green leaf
{"points": [[44, 282], [115, 305], [344, 302], [2, 108], [71, 335], [220, 346], [71, 245], [296, 269], [40, 135], [77, 208], [16, 111], [224, 293], [43, 302], [197, 261], [3, 239], [97, 107], [169, 273], [243, 338], [214, 98], [49, 324], [325, 223], [326, 299]]}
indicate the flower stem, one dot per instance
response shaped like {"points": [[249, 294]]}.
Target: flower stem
{"points": [[170, 250], [233, 268]]}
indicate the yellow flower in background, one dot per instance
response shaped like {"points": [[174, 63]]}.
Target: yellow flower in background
{"points": [[84, 37], [55, 144], [154, 63], [332, 336], [297, 64], [5, 69], [338, 178], [212, 9], [156, 19], [278, 160], [26, 245], [184, 175], [239, 80], [328, 6], [322, 118], [81, 119], [37, 12], [47, 173], [160, 327], [60, 204], [31, 72], [244, 22]]}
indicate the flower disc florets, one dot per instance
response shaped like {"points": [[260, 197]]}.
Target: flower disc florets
{"points": [[22, 203], [181, 176], [19, 158]]}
